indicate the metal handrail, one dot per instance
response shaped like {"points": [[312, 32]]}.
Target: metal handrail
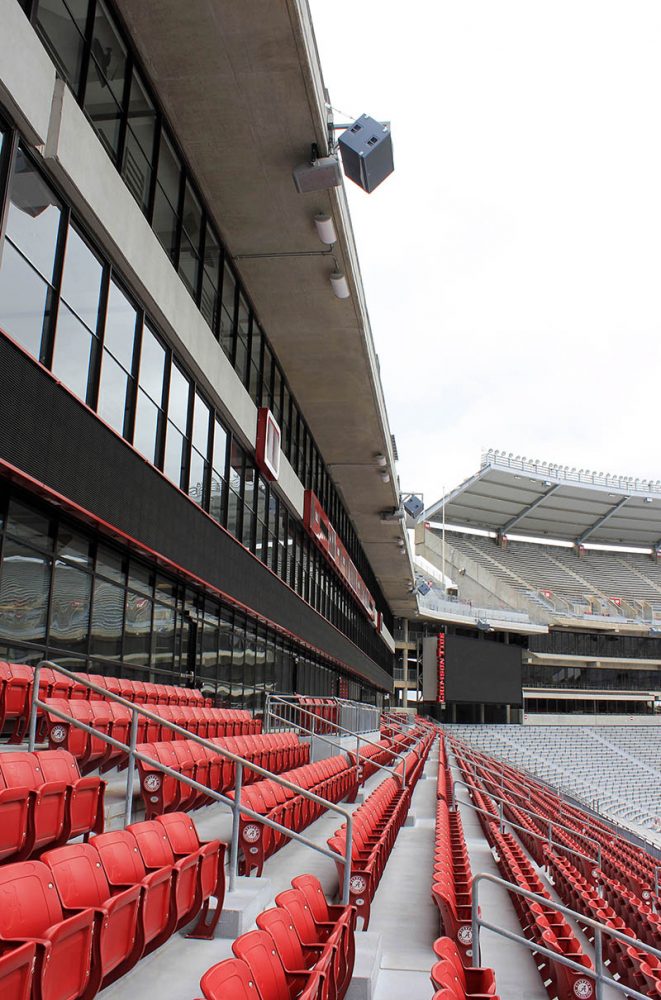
{"points": [[596, 974], [347, 732], [503, 821], [550, 822], [342, 705], [240, 762]]}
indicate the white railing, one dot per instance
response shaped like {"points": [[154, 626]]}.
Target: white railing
{"points": [[450, 607], [563, 473]]}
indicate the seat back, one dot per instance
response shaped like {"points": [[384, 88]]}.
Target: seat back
{"points": [[78, 875], [120, 857], [229, 980], [296, 905], [153, 843], [278, 923], [20, 770], [257, 950], [180, 832], [311, 888], [58, 765], [29, 903]]}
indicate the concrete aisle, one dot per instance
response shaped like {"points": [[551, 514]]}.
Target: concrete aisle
{"points": [[402, 910], [517, 977]]}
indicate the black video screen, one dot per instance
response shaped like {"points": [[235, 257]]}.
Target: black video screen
{"points": [[477, 670]]}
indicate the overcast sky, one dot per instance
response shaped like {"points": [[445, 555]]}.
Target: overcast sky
{"points": [[512, 263]]}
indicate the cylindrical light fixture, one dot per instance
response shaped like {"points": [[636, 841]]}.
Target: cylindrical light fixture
{"points": [[385, 477], [325, 228], [339, 284], [380, 460]]}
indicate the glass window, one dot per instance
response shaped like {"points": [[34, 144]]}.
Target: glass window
{"points": [[137, 628], [113, 395], [24, 586], [218, 471], [81, 280], [74, 547], [201, 425], [164, 635], [70, 607], [29, 525], [152, 365], [178, 398], [33, 220], [73, 345], [209, 303], [227, 311], [102, 108], [25, 301], [110, 564], [109, 51], [242, 339], [145, 433], [120, 326], [62, 25], [137, 167], [166, 202], [107, 619], [173, 465], [191, 237]]}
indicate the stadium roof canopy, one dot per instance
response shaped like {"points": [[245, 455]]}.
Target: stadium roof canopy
{"points": [[512, 495]]}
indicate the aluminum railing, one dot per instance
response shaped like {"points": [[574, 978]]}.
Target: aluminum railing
{"points": [[353, 716], [310, 731], [236, 806], [597, 974]]}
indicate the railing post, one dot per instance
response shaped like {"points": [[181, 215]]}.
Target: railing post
{"points": [[236, 817], [130, 771], [501, 823], [475, 925], [550, 833], [598, 964], [32, 732], [346, 878]]}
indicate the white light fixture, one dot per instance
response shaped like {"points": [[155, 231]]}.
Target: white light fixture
{"points": [[380, 460], [325, 228], [401, 543], [339, 284], [385, 477]]}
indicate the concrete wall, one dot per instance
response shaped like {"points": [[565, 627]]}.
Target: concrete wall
{"points": [[535, 719]]}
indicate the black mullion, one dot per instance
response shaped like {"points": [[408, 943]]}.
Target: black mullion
{"points": [[48, 333], [156, 151], [94, 373], [126, 97], [235, 321], [197, 297], [87, 52], [132, 398], [206, 484], [188, 441], [7, 163], [161, 429], [180, 205]]}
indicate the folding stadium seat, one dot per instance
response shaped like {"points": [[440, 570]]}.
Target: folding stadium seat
{"points": [[156, 854], [15, 695], [124, 867], [160, 792], [256, 949], [88, 750], [85, 798], [97, 679], [152, 693], [81, 884], [326, 916], [184, 842], [229, 980], [119, 729], [30, 911], [53, 684], [47, 809], [189, 797], [449, 970], [297, 959], [334, 936], [16, 807]]}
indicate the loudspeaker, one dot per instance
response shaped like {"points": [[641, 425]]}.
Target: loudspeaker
{"points": [[366, 149], [413, 506], [318, 176]]}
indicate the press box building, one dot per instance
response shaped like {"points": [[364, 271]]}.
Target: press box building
{"points": [[194, 449]]}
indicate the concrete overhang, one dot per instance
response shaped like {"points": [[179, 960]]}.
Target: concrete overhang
{"points": [[242, 87]]}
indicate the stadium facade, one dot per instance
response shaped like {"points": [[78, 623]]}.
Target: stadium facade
{"points": [[563, 564], [165, 314]]}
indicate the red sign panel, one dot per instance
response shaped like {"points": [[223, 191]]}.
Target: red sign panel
{"points": [[267, 451], [322, 531], [440, 666]]}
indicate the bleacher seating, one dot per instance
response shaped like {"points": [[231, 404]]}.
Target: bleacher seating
{"points": [[302, 949], [456, 980], [376, 824], [44, 802], [333, 779], [161, 793], [16, 684]]}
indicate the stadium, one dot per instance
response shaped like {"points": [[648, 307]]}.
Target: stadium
{"points": [[270, 728]]}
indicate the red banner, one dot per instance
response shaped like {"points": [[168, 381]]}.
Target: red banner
{"points": [[440, 665]]}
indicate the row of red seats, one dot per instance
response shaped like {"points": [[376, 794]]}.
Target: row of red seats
{"points": [[324, 713], [304, 949], [44, 802], [370, 755], [107, 717], [376, 824], [161, 793], [633, 966], [16, 683], [333, 779], [620, 859], [541, 924], [452, 879], [84, 914], [453, 980]]}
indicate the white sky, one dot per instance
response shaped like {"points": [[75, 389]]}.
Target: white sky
{"points": [[512, 263]]}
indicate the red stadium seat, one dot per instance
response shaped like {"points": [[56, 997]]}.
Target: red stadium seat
{"points": [[184, 842], [47, 809], [84, 812], [16, 969], [81, 883], [31, 911], [157, 854], [229, 980]]}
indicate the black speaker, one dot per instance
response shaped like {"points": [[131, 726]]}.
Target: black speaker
{"points": [[413, 506], [366, 149]]}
